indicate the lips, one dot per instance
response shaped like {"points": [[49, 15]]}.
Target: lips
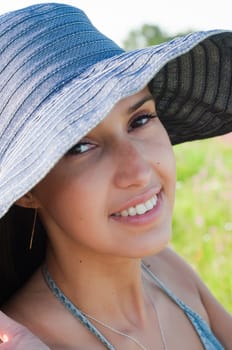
{"points": [[139, 204], [151, 217], [140, 208]]}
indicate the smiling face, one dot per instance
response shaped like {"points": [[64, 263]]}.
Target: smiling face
{"points": [[113, 192]]}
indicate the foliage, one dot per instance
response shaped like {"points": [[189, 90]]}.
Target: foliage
{"points": [[202, 225], [147, 35]]}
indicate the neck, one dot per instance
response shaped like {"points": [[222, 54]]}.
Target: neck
{"points": [[112, 286]]}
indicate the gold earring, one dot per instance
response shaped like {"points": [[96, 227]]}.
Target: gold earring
{"points": [[33, 230]]}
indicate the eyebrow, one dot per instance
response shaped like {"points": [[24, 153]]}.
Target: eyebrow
{"points": [[138, 104]]}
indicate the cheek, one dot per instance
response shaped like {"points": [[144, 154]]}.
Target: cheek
{"points": [[161, 154], [163, 161], [67, 198], [78, 205], [168, 163]]}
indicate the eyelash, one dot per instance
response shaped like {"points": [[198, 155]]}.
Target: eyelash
{"points": [[142, 119], [74, 150]]}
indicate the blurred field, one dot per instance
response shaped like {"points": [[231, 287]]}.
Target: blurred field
{"points": [[202, 225]]}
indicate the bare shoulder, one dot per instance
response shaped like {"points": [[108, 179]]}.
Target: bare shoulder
{"points": [[172, 269], [34, 299], [179, 277], [29, 301], [24, 298], [183, 280], [35, 307]]}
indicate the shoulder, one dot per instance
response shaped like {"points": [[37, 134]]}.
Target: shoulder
{"points": [[183, 281], [179, 277], [36, 308], [171, 268]]}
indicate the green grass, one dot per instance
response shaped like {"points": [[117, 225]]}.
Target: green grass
{"points": [[202, 224]]}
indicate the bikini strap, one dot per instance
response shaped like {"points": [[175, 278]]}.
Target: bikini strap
{"points": [[74, 310], [200, 325]]}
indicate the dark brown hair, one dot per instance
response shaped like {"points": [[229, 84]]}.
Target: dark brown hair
{"points": [[17, 261]]}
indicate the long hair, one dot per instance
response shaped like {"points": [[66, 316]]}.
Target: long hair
{"points": [[17, 261]]}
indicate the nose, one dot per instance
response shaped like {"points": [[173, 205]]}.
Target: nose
{"points": [[132, 169]]}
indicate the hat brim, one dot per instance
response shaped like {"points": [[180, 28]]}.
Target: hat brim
{"points": [[190, 79]]}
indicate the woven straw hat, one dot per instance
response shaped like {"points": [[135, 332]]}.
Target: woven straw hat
{"points": [[59, 77]]}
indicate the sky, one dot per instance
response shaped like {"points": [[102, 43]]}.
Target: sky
{"points": [[116, 18]]}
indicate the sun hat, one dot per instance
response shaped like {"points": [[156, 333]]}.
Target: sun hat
{"points": [[59, 77]]}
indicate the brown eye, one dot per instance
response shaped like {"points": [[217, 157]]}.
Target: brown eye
{"points": [[80, 148], [141, 120]]}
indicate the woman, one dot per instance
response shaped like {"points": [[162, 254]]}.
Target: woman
{"points": [[88, 182]]}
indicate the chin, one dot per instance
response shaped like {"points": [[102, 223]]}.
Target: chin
{"points": [[152, 244]]}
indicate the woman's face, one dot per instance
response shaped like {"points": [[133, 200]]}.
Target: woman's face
{"points": [[113, 192]]}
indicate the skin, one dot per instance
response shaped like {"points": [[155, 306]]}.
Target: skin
{"points": [[16, 337], [95, 258]]}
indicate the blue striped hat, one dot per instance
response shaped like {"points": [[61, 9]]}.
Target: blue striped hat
{"points": [[59, 77]]}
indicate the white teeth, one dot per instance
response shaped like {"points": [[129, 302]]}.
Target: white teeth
{"points": [[154, 200], [132, 211], [139, 209], [149, 204]]}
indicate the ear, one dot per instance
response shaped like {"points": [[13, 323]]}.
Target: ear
{"points": [[27, 201]]}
